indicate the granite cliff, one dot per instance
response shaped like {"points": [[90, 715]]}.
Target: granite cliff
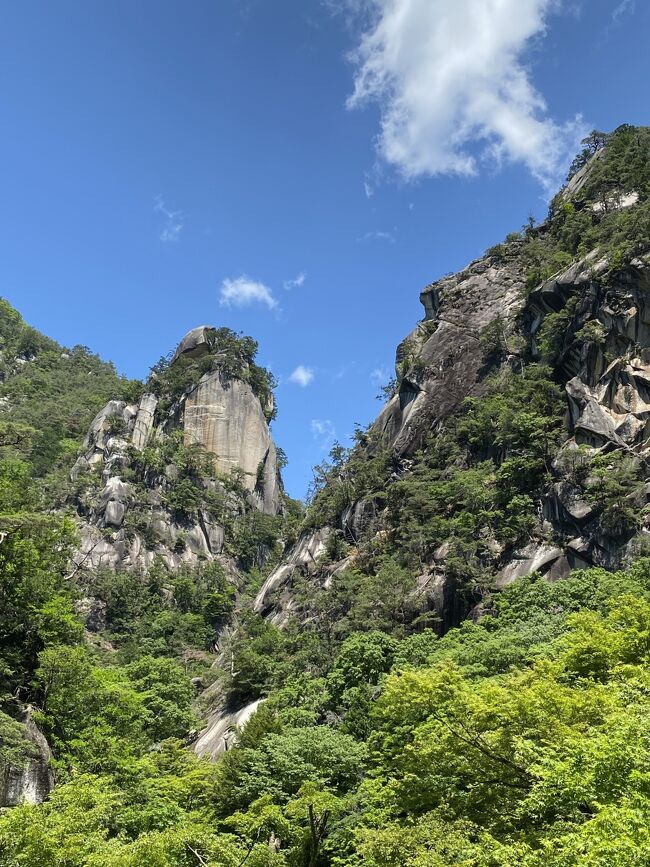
{"points": [[163, 475], [567, 297]]}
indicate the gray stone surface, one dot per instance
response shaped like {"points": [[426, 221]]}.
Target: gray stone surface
{"points": [[144, 420], [303, 558], [533, 558], [195, 343], [33, 780], [445, 351], [221, 414], [220, 733], [227, 419], [575, 185], [114, 513]]}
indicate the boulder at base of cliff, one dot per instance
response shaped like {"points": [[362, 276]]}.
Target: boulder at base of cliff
{"points": [[25, 773]]}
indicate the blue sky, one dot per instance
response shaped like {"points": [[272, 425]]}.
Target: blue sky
{"points": [[296, 169]]}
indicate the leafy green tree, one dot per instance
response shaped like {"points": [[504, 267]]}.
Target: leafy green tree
{"points": [[362, 659]]}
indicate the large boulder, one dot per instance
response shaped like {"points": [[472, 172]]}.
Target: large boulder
{"points": [[29, 779], [195, 343]]}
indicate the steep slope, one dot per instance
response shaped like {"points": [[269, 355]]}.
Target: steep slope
{"points": [[516, 436], [48, 396], [52, 389], [175, 496]]}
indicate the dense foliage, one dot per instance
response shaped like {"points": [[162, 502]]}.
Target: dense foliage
{"points": [[518, 740], [473, 488], [594, 218], [54, 390]]}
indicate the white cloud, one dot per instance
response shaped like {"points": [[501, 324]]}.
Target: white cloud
{"points": [[302, 375], [296, 283], [242, 292], [174, 221], [368, 190], [323, 432], [623, 8], [453, 89]]}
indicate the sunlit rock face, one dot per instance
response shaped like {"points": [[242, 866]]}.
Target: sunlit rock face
{"points": [[602, 363], [219, 412], [220, 733], [228, 421]]}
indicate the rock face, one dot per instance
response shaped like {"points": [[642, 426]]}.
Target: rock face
{"points": [[220, 732], [229, 422], [604, 365], [274, 599], [602, 312], [440, 363], [608, 377], [32, 780], [128, 524]]}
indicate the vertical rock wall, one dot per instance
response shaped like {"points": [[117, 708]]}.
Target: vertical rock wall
{"points": [[219, 412]]}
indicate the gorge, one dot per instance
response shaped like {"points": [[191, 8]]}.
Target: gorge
{"points": [[441, 658]]}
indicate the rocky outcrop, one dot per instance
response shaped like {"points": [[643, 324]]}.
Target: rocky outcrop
{"points": [[31, 779], [195, 343], [573, 188], [357, 519], [274, 599], [483, 319], [220, 733], [228, 421], [127, 523], [441, 362], [606, 357]]}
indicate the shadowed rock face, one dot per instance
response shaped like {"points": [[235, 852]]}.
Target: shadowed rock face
{"points": [[441, 362], [196, 342], [33, 780]]}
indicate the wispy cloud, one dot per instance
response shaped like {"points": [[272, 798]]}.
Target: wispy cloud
{"points": [[323, 432], [344, 371], [378, 236], [174, 221], [379, 376], [242, 292], [453, 87], [623, 8], [368, 190], [296, 283], [302, 375]]}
